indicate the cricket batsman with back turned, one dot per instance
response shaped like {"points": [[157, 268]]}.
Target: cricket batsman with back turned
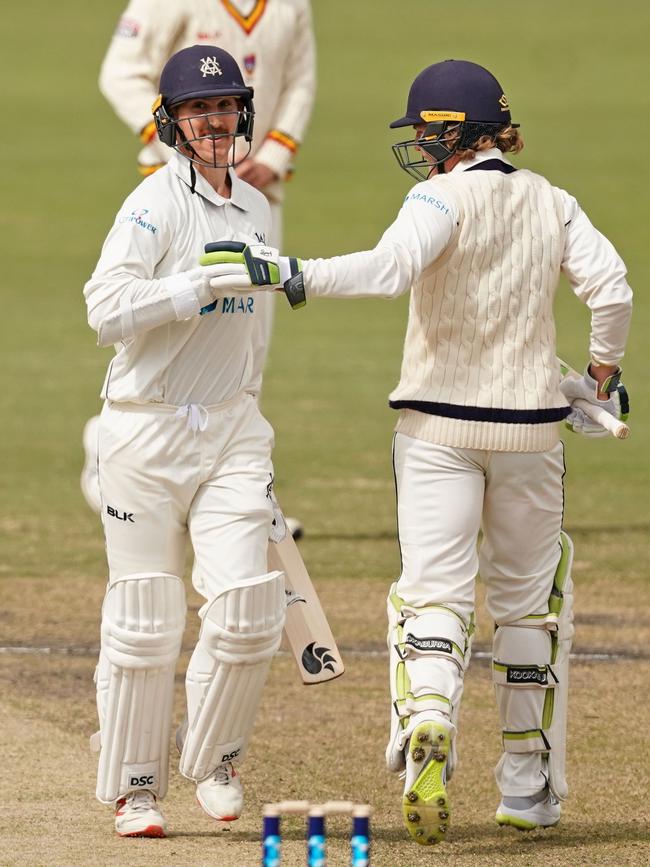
{"points": [[481, 246]]}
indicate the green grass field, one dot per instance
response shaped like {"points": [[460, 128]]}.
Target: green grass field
{"points": [[576, 75]]}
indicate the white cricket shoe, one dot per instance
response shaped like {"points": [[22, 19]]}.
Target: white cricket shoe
{"points": [[221, 794], [89, 480], [425, 805], [538, 811], [137, 815]]}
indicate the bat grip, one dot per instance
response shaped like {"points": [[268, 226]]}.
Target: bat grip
{"points": [[616, 427]]}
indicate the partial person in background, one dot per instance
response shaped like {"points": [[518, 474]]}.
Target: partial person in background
{"points": [[185, 455], [481, 246], [273, 44]]}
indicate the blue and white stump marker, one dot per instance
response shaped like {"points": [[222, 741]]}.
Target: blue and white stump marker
{"points": [[316, 837], [316, 851], [360, 839], [271, 839]]}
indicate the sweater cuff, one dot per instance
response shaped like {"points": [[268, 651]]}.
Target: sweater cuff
{"points": [[277, 152]]}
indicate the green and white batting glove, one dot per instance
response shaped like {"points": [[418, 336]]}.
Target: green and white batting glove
{"points": [[587, 388], [264, 266]]}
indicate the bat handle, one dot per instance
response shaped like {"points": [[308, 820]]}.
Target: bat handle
{"points": [[616, 427]]}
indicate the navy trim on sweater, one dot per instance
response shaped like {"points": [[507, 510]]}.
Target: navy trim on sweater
{"points": [[484, 413], [494, 165]]}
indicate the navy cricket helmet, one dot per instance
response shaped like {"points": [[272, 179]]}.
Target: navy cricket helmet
{"points": [[459, 102], [192, 73]]}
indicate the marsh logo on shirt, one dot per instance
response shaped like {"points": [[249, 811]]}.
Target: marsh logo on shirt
{"points": [[138, 216], [428, 200]]}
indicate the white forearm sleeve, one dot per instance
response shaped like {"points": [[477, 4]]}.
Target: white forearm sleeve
{"points": [[420, 233], [166, 300], [597, 275]]}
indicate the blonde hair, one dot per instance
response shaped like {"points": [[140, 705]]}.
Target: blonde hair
{"points": [[508, 140]]}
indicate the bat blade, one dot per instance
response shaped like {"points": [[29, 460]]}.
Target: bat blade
{"points": [[309, 635]]}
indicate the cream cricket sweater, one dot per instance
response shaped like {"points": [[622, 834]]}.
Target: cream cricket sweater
{"points": [[481, 250], [479, 368]]}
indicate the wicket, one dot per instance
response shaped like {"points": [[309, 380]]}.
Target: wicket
{"points": [[316, 831]]}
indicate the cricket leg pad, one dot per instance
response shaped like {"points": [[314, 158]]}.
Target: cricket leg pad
{"points": [[530, 671], [143, 618], [429, 650], [240, 633]]}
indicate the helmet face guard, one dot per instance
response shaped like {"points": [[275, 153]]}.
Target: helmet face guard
{"points": [[183, 140], [439, 141]]}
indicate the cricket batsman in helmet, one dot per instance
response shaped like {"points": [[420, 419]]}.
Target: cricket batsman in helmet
{"points": [[479, 464], [184, 455]]}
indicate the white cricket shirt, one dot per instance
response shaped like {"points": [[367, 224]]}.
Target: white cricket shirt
{"points": [[160, 231]]}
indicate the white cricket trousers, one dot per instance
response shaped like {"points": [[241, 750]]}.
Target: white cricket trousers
{"points": [[162, 483], [445, 496]]}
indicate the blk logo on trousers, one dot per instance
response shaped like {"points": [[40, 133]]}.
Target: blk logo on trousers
{"points": [[121, 516]]}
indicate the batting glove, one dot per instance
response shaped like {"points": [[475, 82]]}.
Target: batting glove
{"points": [[587, 388], [264, 265], [204, 284]]}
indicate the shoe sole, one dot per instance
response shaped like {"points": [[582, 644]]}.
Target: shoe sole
{"points": [[149, 831], [504, 819], [425, 806], [212, 816]]}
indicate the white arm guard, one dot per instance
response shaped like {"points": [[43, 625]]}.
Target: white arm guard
{"points": [[180, 296]]}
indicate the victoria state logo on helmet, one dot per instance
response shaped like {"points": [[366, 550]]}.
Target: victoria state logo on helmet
{"points": [[209, 66]]}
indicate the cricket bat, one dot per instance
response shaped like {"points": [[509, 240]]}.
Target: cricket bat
{"points": [[616, 427], [306, 627]]}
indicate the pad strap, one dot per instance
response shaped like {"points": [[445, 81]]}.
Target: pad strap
{"points": [[525, 676], [531, 741]]}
